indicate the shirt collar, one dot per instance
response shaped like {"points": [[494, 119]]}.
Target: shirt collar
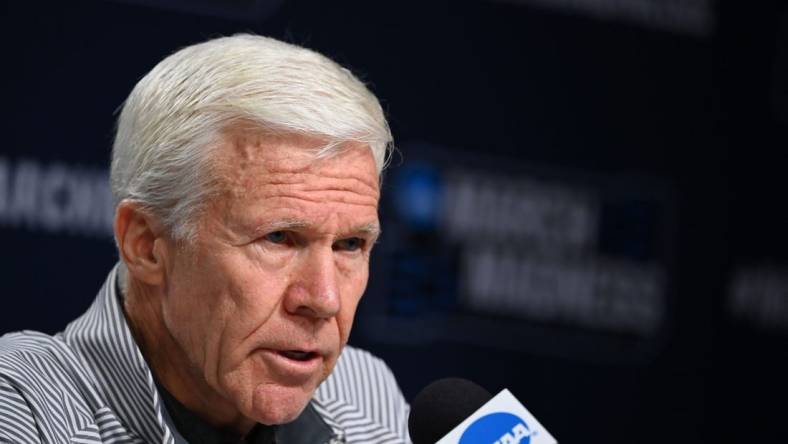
{"points": [[103, 338]]}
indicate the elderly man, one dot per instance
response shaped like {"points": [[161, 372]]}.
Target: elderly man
{"points": [[245, 174]]}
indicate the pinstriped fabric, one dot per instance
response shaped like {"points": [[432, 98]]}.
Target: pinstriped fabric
{"points": [[90, 384], [105, 342], [363, 400]]}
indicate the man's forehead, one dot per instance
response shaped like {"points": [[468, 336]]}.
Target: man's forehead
{"points": [[257, 152], [277, 183]]}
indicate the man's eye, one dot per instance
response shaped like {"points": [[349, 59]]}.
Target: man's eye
{"points": [[276, 237], [349, 244]]}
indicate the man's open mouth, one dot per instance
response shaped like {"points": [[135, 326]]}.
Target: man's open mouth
{"points": [[298, 355]]}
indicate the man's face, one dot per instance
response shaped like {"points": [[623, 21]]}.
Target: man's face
{"points": [[263, 302]]}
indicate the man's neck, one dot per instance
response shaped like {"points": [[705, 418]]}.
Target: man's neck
{"points": [[171, 366]]}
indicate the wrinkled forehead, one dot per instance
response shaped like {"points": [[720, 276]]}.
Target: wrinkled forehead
{"points": [[244, 156]]}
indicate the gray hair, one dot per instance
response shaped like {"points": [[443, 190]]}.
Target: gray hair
{"points": [[175, 115]]}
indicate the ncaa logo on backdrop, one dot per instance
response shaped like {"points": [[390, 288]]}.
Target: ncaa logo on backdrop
{"points": [[497, 428]]}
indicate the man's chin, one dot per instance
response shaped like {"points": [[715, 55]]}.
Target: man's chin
{"points": [[272, 404]]}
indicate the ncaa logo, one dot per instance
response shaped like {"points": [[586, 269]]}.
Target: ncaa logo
{"points": [[497, 428]]}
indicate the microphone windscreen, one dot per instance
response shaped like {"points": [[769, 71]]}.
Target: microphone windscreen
{"points": [[442, 406]]}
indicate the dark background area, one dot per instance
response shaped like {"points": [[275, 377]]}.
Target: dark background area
{"points": [[703, 112]]}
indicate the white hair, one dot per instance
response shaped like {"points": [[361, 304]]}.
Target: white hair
{"points": [[175, 115]]}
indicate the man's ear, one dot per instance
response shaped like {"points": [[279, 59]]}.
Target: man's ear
{"points": [[140, 244]]}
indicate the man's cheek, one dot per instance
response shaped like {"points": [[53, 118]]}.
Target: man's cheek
{"points": [[347, 317]]}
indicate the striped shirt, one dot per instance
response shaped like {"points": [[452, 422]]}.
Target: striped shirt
{"points": [[90, 384]]}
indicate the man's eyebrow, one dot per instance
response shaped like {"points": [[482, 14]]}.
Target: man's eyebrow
{"points": [[287, 224], [371, 229]]}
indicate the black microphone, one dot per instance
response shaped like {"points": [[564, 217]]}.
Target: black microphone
{"points": [[442, 406]]}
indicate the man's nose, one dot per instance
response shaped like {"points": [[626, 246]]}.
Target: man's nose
{"points": [[314, 292]]}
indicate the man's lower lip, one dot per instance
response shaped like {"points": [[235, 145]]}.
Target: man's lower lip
{"points": [[292, 367]]}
